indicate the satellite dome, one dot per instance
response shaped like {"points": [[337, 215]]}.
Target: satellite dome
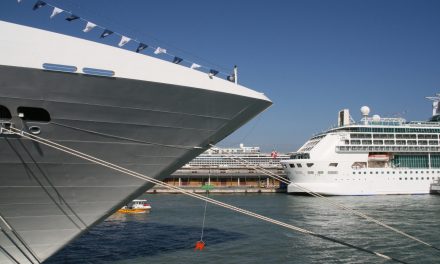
{"points": [[376, 118], [365, 110]]}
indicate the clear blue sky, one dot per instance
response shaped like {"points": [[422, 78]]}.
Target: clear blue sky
{"points": [[311, 57]]}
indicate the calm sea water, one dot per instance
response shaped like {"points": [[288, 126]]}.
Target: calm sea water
{"points": [[168, 233]]}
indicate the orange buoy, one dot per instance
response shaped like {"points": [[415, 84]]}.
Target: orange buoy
{"points": [[200, 245]]}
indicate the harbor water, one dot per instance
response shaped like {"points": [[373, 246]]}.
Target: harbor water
{"points": [[169, 232]]}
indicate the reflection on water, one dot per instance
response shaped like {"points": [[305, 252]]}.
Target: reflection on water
{"points": [[168, 233], [124, 217]]}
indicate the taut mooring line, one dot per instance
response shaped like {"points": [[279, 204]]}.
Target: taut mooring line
{"points": [[115, 167], [339, 205]]}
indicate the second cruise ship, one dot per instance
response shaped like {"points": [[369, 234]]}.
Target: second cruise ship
{"points": [[375, 156]]}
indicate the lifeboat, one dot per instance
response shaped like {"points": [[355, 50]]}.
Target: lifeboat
{"points": [[379, 157], [135, 207]]}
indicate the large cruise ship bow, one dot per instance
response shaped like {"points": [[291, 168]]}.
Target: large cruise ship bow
{"points": [[140, 112]]}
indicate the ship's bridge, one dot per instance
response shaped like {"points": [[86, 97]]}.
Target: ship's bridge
{"points": [[383, 121], [435, 118]]}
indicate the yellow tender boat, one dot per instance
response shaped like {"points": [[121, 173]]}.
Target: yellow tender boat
{"points": [[135, 207]]}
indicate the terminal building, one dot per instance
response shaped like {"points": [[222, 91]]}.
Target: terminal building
{"points": [[230, 170]]}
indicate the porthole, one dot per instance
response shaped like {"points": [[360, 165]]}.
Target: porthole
{"points": [[35, 130], [34, 114]]}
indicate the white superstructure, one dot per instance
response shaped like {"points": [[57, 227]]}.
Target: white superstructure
{"points": [[375, 156]]}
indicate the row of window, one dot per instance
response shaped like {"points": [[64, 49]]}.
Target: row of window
{"points": [[229, 160], [389, 130], [322, 172], [311, 143], [388, 148], [391, 142], [26, 113], [73, 69], [392, 136], [309, 165], [394, 172], [379, 172], [300, 156], [416, 178], [400, 178]]}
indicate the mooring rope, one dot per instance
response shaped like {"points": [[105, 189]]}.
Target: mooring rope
{"points": [[126, 139], [45, 189], [115, 167], [8, 255], [204, 211], [204, 218], [308, 191], [20, 239]]}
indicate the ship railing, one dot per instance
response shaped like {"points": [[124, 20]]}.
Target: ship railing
{"points": [[358, 148], [385, 123], [238, 171], [423, 123]]}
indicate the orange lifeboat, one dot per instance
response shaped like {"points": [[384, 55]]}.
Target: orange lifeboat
{"points": [[378, 157]]}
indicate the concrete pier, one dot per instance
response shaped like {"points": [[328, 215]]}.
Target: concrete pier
{"points": [[237, 180]]}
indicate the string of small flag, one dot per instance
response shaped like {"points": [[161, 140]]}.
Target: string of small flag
{"points": [[89, 26]]}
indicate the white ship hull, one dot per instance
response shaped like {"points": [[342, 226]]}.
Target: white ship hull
{"points": [[365, 184], [327, 170]]}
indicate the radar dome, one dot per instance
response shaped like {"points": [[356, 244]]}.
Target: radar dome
{"points": [[365, 110], [376, 118]]}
